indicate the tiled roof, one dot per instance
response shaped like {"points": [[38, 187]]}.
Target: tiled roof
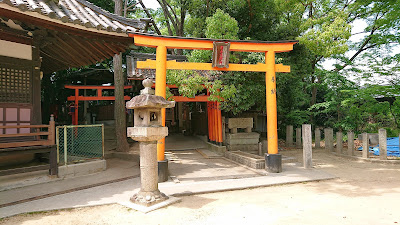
{"points": [[80, 12]]}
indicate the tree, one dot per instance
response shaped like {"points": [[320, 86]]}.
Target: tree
{"points": [[119, 106]]}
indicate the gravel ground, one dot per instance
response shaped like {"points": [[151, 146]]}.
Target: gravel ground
{"points": [[364, 193]]}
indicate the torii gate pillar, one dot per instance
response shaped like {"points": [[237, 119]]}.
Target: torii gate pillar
{"points": [[161, 86], [273, 159]]}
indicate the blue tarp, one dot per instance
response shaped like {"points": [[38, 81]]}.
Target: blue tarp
{"points": [[392, 147]]}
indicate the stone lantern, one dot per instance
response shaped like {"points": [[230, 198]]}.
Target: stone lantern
{"points": [[147, 130]]}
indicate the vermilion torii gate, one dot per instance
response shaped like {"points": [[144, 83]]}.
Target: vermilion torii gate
{"points": [[162, 43]]}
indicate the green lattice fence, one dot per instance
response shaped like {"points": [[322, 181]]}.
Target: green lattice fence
{"points": [[82, 143]]}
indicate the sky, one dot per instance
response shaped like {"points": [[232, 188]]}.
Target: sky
{"points": [[153, 4]]}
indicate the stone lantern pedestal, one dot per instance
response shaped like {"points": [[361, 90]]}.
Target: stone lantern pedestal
{"points": [[147, 130]]}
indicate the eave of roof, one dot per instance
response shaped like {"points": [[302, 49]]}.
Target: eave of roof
{"points": [[77, 13]]}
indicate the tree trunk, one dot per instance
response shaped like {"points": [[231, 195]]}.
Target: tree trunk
{"points": [[119, 106]]}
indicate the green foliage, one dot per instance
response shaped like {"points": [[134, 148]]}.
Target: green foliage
{"points": [[189, 82], [221, 26], [250, 92], [326, 36]]}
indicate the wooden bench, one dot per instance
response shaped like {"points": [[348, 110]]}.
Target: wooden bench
{"points": [[32, 142]]}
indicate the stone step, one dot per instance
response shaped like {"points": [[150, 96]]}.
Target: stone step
{"points": [[242, 141], [247, 159], [244, 148], [251, 135], [252, 160]]}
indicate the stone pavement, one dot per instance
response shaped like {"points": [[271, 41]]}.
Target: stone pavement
{"points": [[192, 171]]}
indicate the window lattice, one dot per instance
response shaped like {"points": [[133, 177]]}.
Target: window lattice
{"points": [[15, 85]]}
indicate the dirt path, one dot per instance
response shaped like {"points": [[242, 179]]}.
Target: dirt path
{"points": [[365, 193]]}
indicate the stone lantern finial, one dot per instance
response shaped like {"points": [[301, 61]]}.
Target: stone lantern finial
{"points": [[147, 83]]}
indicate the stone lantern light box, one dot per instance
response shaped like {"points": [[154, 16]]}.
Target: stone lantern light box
{"points": [[147, 115]]}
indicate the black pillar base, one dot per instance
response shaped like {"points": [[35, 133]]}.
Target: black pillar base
{"points": [[163, 171], [273, 163]]}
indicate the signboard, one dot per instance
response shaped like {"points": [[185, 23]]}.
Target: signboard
{"points": [[220, 54]]}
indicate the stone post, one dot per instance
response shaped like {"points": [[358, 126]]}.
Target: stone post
{"points": [[350, 143], [339, 142], [289, 136], [149, 171], [298, 137], [328, 139], [307, 146], [382, 144], [365, 145], [264, 145], [317, 137]]}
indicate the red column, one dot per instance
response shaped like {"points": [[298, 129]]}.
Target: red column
{"points": [[212, 122], [215, 121], [209, 120], [219, 124], [76, 106]]}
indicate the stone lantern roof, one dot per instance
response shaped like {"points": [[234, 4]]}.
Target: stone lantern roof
{"points": [[147, 99]]}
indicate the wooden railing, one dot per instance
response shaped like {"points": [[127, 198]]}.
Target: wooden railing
{"points": [[23, 140], [30, 143]]}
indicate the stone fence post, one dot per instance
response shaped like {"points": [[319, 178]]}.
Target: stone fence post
{"points": [[298, 137], [317, 137], [350, 141], [365, 145], [328, 139], [289, 136], [339, 142], [382, 144], [307, 146]]}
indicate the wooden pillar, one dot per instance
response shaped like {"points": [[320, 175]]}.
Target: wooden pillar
{"points": [[161, 86], [36, 112], [52, 130], [272, 117]]}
